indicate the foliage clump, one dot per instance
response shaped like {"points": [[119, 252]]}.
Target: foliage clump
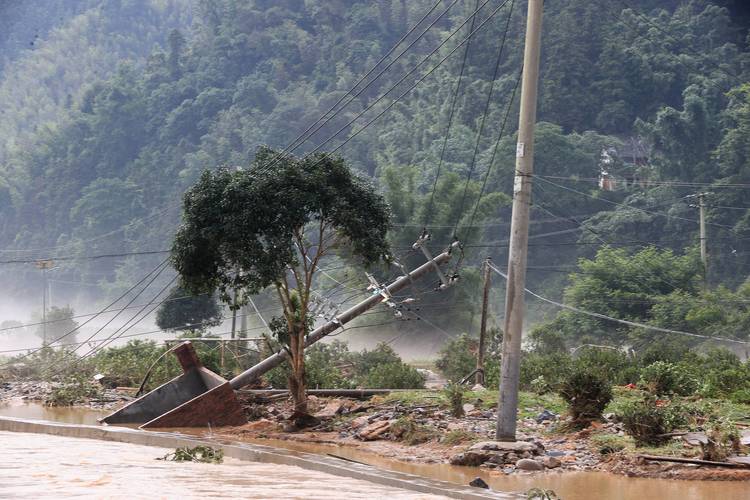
{"points": [[457, 358], [454, 393], [649, 420], [662, 378], [408, 431], [201, 454], [331, 365], [587, 394], [74, 390]]}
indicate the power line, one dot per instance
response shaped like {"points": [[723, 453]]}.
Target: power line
{"points": [[141, 334], [78, 327], [109, 321], [96, 238], [302, 138], [723, 226], [451, 113], [668, 183], [485, 113], [495, 148], [397, 99], [621, 321], [83, 257]]}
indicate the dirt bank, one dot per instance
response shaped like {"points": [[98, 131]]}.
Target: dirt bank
{"points": [[424, 432]]}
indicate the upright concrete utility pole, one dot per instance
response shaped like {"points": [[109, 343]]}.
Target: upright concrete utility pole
{"points": [[483, 324], [243, 321], [704, 254], [519, 230], [234, 313], [44, 265]]}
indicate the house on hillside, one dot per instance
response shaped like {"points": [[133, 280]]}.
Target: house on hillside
{"points": [[625, 164]]}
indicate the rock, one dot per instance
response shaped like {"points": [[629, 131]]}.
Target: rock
{"points": [[477, 387], [551, 462], [360, 421], [374, 431], [332, 409], [479, 483], [695, 438], [468, 407], [529, 464], [544, 416], [469, 458], [514, 446]]}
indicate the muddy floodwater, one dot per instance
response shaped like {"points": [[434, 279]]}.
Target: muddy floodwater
{"points": [[44, 466], [102, 469], [66, 414], [567, 485]]}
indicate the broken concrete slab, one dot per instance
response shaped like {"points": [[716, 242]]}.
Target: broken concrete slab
{"points": [[695, 438]]}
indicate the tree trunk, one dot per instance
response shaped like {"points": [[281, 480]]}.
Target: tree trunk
{"points": [[297, 384]]}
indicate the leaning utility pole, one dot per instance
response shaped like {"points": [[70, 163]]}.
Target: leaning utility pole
{"points": [[483, 324], [519, 230]]}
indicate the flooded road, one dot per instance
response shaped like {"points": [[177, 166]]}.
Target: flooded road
{"points": [[114, 463], [45, 466]]}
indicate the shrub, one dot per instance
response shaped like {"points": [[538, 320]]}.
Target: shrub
{"points": [[612, 364], [741, 396], [587, 394], [723, 440], [454, 392], [366, 360], [553, 368], [662, 378], [127, 365], [648, 421], [457, 358], [410, 432], [75, 390], [321, 369], [394, 376]]}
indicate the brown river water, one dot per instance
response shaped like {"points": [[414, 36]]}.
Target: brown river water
{"points": [[47, 467]]}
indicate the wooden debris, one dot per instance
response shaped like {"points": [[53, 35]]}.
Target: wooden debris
{"points": [[374, 430], [694, 461]]}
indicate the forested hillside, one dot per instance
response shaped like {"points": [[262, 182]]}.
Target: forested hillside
{"points": [[643, 104]]}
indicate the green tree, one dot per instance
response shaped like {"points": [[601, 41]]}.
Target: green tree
{"points": [[270, 226], [60, 323], [183, 311]]}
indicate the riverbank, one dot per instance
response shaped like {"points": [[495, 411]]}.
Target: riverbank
{"points": [[418, 427]]}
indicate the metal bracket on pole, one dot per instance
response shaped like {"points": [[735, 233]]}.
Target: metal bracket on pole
{"points": [[420, 244]]}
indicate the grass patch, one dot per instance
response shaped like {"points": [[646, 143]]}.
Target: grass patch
{"points": [[459, 436], [411, 433]]}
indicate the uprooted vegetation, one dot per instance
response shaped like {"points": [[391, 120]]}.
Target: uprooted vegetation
{"points": [[201, 454]]}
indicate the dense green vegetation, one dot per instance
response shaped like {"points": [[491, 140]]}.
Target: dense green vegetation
{"points": [[97, 163]]}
